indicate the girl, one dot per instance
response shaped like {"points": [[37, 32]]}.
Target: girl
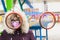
{"points": [[18, 33], [11, 29]]}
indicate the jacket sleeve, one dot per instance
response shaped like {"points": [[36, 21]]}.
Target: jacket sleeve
{"points": [[31, 36], [3, 36]]}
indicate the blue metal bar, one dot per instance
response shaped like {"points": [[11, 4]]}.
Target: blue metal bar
{"points": [[40, 29], [35, 27], [41, 34], [46, 34], [28, 3], [3, 3], [35, 34]]}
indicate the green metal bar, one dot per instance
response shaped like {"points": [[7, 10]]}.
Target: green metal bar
{"points": [[21, 4], [9, 4]]}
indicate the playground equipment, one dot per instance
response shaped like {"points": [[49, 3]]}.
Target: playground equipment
{"points": [[3, 3], [45, 18], [34, 27], [10, 4]]}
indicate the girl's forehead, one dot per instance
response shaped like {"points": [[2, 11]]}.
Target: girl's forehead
{"points": [[13, 15]]}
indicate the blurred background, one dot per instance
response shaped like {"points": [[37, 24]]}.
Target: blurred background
{"points": [[39, 8]]}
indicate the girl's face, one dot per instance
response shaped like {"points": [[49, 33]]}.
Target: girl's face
{"points": [[13, 21]]}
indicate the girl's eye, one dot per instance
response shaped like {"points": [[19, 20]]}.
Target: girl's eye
{"points": [[12, 20]]}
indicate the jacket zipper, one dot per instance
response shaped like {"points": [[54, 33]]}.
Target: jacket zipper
{"points": [[23, 38], [11, 38]]}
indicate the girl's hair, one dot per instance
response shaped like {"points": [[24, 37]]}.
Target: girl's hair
{"points": [[13, 16]]}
